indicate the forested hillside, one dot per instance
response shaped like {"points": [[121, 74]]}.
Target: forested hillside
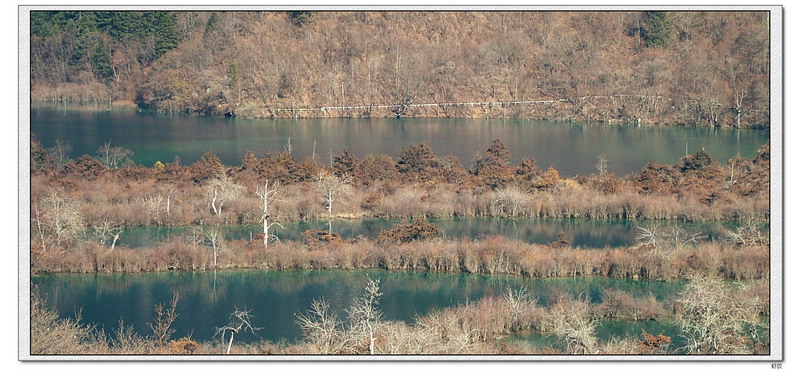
{"points": [[669, 68]]}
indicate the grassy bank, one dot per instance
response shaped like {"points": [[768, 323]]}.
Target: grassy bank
{"points": [[495, 255]]}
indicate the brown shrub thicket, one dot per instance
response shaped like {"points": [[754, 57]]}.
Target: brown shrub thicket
{"points": [[408, 232], [696, 188], [495, 255]]}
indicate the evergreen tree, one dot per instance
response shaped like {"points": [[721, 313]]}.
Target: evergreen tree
{"points": [[493, 167], [233, 74], [86, 22], [417, 162], [46, 24], [126, 25], [344, 164], [299, 18], [101, 63], [211, 24], [657, 29], [166, 36]]}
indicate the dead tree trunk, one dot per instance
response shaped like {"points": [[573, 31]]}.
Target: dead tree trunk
{"points": [[267, 196]]}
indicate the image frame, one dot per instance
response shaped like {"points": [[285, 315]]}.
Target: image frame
{"points": [[776, 217]]}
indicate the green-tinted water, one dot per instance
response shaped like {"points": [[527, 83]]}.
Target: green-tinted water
{"points": [[275, 298], [583, 233], [572, 148], [606, 331]]}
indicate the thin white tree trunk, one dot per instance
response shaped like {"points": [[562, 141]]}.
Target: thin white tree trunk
{"points": [[214, 202], [214, 245], [266, 213], [114, 243], [371, 340], [266, 233], [230, 343]]}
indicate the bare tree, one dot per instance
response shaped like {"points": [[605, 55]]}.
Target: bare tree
{"points": [[738, 100], [267, 195], [715, 320], [364, 315], [332, 187], [679, 238], [222, 189], [288, 148], [105, 230], [168, 189], [520, 302], [240, 321], [506, 201], [748, 234], [114, 157], [664, 237], [602, 164], [152, 207], [40, 226], [60, 216], [648, 235], [162, 326], [214, 238], [60, 152], [323, 328], [571, 321]]}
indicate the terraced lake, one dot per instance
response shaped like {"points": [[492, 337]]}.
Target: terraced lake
{"points": [[276, 297], [573, 148], [583, 233]]}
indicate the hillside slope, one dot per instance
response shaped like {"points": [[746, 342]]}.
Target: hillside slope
{"points": [[675, 68]]}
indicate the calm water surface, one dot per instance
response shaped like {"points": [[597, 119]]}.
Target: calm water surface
{"points": [[572, 148], [275, 298], [583, 233], [607, 330]]}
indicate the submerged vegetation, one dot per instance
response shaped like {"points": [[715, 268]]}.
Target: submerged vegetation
{"points": [[716, 324], [79, 208], [491, 256]]}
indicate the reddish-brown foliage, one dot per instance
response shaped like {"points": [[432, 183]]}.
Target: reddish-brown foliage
{"points": [[419, 229]]}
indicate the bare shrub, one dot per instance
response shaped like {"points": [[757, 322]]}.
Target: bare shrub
{"points": [[715, 320], [127, 341], [51, 334], [571, 322], [323, 330], [507, 202], [747, 235], [162, 324], [59, 218], [618, 304]]}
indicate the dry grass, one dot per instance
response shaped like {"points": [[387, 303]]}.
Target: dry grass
{"points": [[494, 255]]}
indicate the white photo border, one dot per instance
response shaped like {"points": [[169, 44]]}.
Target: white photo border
{"points": [[776, 190]]}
